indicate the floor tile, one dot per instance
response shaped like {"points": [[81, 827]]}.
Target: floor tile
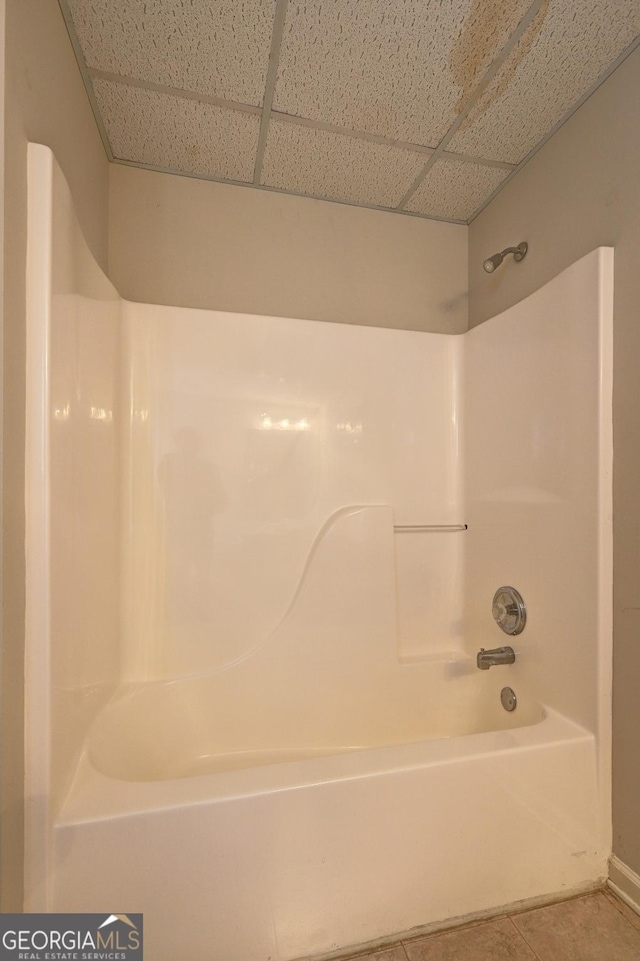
{"points": [[394, 953], [493, 941], [623, 908], [586, 929]]}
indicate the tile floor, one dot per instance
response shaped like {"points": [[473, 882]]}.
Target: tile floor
{"points": [[594, 927]]}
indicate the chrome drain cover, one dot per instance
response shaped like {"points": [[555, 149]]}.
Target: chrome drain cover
{"points": [[508, 699]]}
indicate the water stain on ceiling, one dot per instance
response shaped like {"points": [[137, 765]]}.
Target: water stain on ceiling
{"points": [[416, 106], [479, 44]]}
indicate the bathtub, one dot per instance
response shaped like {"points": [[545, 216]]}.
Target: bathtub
{"points": [[355, 795], [283, 851]]}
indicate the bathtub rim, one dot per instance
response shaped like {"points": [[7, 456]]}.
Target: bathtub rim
{"points": [[94, 796]]}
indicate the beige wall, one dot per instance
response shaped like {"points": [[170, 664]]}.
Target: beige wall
{"points": [[194, 243], [582, 190], [46, 103]]}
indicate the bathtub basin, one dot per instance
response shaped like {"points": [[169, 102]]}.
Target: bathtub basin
{"points": [[324, 842], [163, 731]]}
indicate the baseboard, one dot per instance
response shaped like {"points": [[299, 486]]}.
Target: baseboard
{"points": [[625, 883]]}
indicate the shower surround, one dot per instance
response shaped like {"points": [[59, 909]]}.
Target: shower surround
{"points": [[261, 558]]}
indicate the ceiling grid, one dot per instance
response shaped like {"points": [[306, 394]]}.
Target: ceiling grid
{"points": [[412, 106], [270, 86]]}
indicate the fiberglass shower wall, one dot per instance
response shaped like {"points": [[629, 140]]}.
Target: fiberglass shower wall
{"points": [[247, 435], [72, 485], [538, 451]]}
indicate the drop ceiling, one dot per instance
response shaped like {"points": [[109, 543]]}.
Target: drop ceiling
{"points": [[424, 107]]}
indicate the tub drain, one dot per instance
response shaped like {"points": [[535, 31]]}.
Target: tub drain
{"points": [[508, 699]]}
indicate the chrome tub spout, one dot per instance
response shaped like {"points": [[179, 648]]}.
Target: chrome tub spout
{"points": [[498, 655]]}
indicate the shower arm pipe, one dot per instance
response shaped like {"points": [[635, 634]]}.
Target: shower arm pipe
{"points": [[428, 528], [518, 252]]}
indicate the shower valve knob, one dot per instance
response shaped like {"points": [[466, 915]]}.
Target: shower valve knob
{"points": [[509, 611]]}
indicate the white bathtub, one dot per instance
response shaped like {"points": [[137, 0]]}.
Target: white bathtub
{"points": [[307, 851], [320, 792]]}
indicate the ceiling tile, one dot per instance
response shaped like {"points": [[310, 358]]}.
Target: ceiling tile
{"points": [[176, 133], [336, 166], [455, 189], [216, 48], [575, 42], [401, 69]]}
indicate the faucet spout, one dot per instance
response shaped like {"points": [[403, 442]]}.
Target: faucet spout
{"points": [[494, 657]]}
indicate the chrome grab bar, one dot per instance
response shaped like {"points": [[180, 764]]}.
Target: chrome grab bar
{"points": [[427, 528]]}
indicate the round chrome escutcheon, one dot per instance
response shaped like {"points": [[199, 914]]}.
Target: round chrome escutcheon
{"points": [[508, 610], [508, 699]]}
